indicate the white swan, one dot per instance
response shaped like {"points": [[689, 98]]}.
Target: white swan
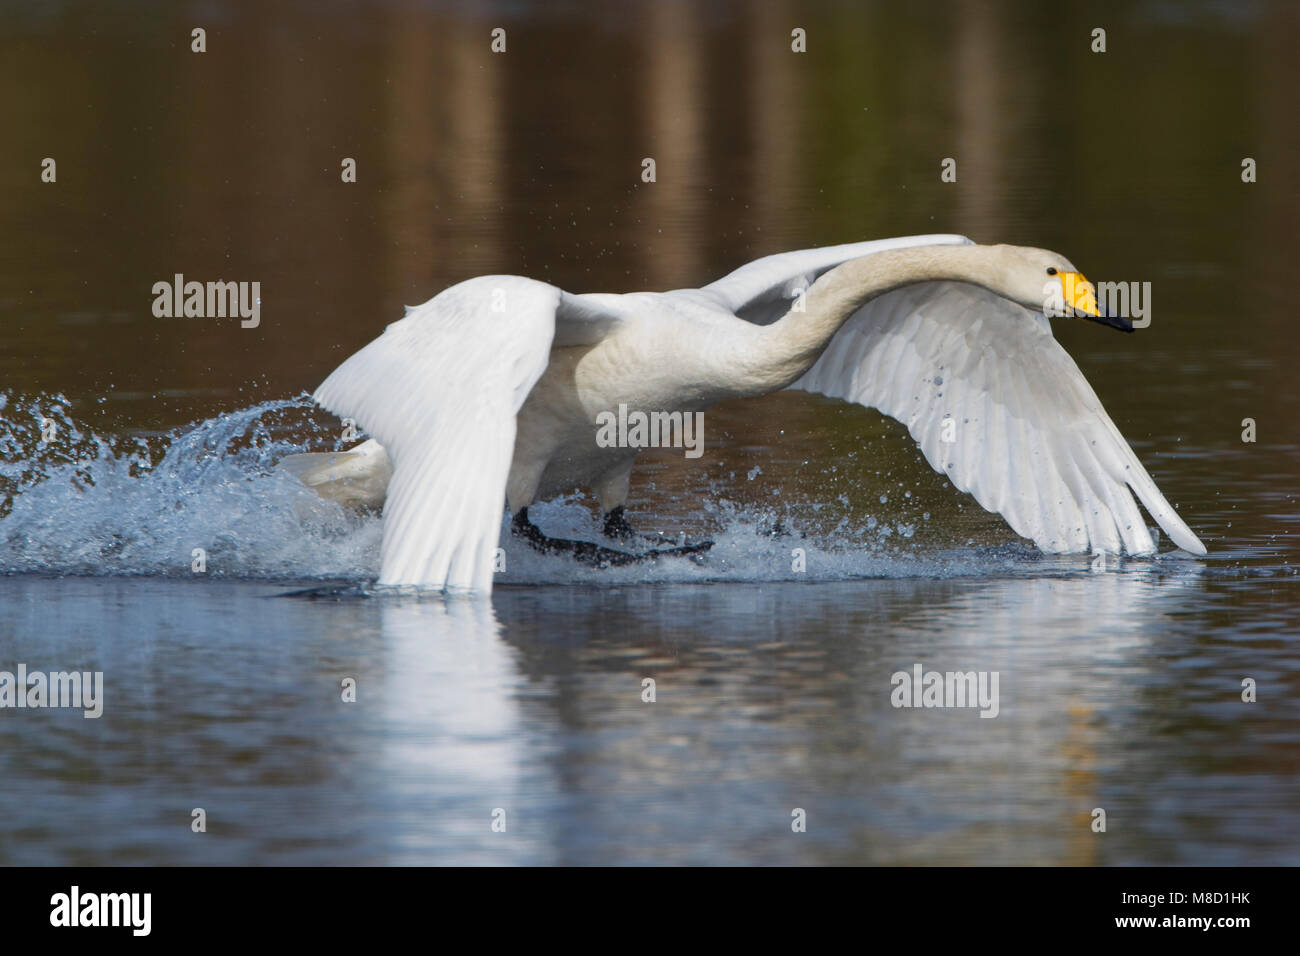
{"points": [[490, 392]]}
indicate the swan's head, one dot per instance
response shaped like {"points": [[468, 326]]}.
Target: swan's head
{"points": [[1047, 282]]}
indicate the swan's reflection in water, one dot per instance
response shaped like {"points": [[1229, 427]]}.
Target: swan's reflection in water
{"points": [[769, 697], [774, 697], [453, 743]]}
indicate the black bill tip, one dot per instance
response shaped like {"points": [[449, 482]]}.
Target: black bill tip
{"points": [[1109, 320]]}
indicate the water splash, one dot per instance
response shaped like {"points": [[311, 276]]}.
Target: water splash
{"points": [[78, 503], [75, 502]]}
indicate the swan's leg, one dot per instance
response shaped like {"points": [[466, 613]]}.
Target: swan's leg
{"points": [[611, 491], [616, 525]]}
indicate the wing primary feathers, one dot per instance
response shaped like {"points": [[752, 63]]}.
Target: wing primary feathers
{"points": [[439, 389], [1033, 441]]}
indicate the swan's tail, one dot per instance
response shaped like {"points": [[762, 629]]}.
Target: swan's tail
{"points": [[356, 478]]}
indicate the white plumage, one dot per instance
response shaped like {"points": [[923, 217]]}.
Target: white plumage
{"points": [[440, 390], [488, 394], [1032, 441]]}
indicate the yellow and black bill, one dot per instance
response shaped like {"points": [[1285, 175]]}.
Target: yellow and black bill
{"points": [[1081, 302]]}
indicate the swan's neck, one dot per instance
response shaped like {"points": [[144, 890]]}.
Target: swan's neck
{"points": [[789, 346]]}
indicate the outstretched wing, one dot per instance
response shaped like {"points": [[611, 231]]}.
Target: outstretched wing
{"points": [[439, 390], [999, 407], [761, 291]]}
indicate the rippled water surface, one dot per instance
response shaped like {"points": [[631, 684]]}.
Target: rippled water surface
{"points": [[128, 441]]}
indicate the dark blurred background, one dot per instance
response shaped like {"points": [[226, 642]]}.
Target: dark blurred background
{"points": [[226, 165]]}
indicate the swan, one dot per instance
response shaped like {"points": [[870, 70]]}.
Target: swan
{"points": [[489, 394]]}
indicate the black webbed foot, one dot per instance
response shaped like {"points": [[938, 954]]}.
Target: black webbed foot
{"points": [[587, 552], [618, 528], [583, 551]]}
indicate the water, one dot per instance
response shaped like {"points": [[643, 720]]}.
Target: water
{"points": [[1120, 684]]}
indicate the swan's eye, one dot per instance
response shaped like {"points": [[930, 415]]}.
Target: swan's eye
{"points": [[1051, 271]]}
